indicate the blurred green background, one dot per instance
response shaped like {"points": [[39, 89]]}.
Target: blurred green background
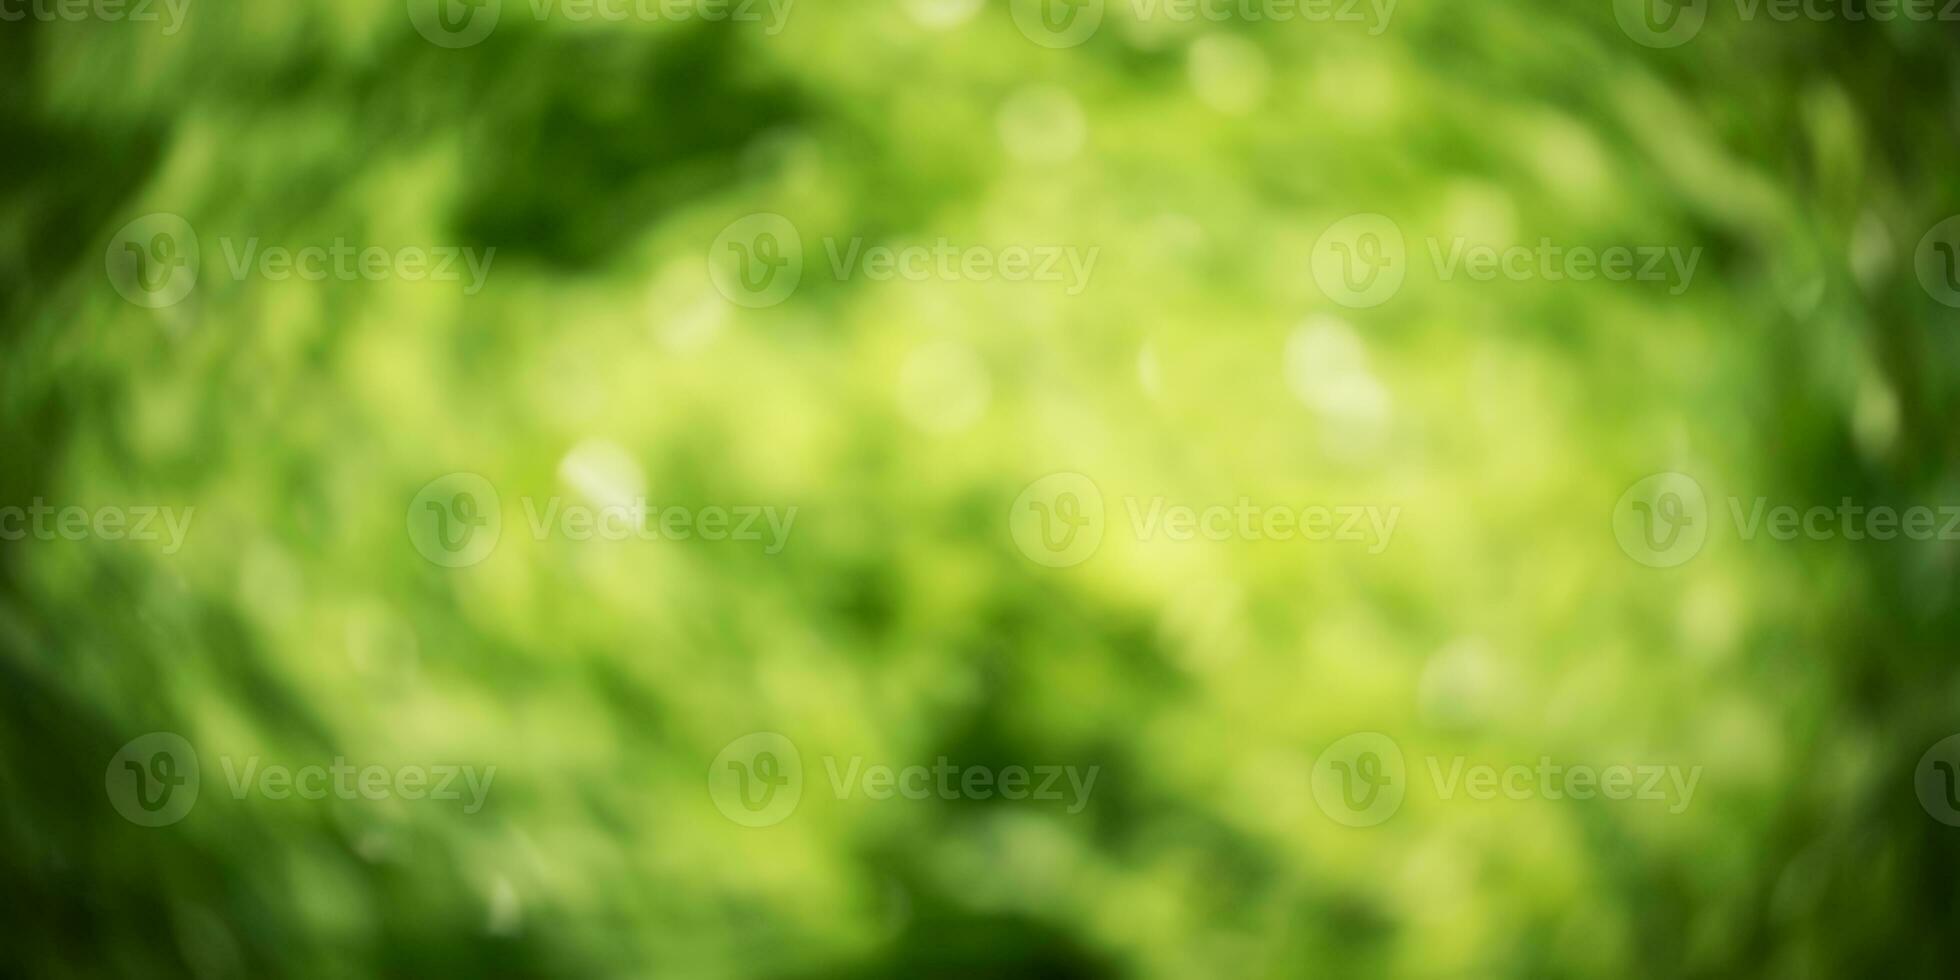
{"points": [[901, 623]]}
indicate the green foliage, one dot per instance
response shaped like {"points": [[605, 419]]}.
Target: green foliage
{"points": [[900, 623]]}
